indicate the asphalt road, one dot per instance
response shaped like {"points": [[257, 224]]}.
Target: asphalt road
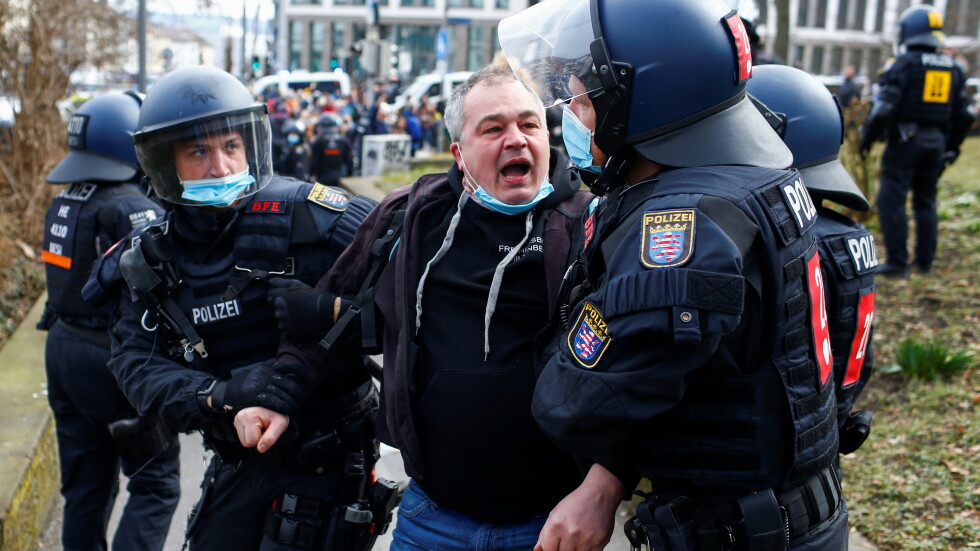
{"points": [[193, 460]]}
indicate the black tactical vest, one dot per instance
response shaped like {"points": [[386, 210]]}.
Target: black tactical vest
{"points": [[75, 236]]}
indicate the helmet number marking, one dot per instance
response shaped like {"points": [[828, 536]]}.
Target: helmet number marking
{"points": [[743, 51]]}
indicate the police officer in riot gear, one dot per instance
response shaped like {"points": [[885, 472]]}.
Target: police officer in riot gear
{"points": [[920, 110], [294, 160], [332, 157], [809, 120], [102, 204], [195, 338], [694, 340]]}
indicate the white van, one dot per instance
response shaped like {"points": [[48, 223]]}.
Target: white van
{"points": [[329, 83], [435, 85]]}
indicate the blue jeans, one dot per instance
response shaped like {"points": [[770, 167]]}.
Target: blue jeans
{"points": [[424, 526]]}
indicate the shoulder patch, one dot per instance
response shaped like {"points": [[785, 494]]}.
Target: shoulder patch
{"points": [[589, 338], [668, 238], [329, 197]]}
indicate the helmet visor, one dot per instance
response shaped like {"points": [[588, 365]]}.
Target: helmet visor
{"points": [[548, 47], [230, 143]]}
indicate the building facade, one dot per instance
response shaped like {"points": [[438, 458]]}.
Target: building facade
{"points": [[828, 35], [400, 35], [320, 35]]}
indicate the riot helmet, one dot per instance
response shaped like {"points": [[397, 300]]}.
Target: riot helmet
{"points": [[207, 116], [99, 141], [666, 77], [809, 119], [920, 25]]}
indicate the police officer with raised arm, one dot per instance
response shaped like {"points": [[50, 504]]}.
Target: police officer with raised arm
{"points": [[806, 115], [920, 111], [194, 338], [101, 204], [696, 339]]}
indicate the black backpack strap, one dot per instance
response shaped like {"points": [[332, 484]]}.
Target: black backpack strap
{"points": [[363, 303]]}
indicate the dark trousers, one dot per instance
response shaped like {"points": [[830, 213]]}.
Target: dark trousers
{"points": [[85, 397], [237, 497], [913, 165]]}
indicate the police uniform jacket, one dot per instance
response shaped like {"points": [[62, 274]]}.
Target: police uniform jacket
{"points": [[699, 342], [288, 228], [925, 88], [84, 220]]}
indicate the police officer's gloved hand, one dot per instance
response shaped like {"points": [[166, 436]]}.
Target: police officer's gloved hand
{"points": [[855, 431], [259, 385], [864, 146], [950, 156], [303, 313]]}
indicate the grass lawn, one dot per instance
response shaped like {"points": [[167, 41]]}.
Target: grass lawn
{"points": [[916, 482]]}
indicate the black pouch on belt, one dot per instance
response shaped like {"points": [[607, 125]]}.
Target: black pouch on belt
{"points": [[762, 523], [669, 524], [140, 439]]}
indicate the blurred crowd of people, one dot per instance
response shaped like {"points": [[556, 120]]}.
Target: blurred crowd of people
{"points": [[318, 136]]}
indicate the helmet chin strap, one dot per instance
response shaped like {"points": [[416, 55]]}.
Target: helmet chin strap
{"points": [[614, 172]]}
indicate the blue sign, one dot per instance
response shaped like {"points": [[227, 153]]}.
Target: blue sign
{"points": [[442, 45]]}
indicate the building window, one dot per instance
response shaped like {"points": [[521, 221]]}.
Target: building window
{"points": [[842, 6], [358, 2], [295, 44], [465, 3], [426, 3], [836, 60], [820, 20], [317, 30], [474, 49], [305, 2], [816, 60], [420, 43], [799, 51], [503, 4], [803, 14], [337, 30], [854, 59], [874, 61]]}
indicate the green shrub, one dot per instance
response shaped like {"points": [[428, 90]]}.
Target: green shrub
{"points": [[929, 360]]}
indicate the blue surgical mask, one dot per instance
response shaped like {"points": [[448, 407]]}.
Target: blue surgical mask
{"points": [[578, 140], [493, 203], [292, 139], [504, 208], [219, 192]]}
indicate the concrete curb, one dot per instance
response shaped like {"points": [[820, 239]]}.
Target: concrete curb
{"points": [[29, 477]]}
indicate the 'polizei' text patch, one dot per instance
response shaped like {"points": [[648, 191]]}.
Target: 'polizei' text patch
{"points": [[203, 315]]}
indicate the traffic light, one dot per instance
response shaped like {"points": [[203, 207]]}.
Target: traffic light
{"points": [[256, 64], [334, 63]]}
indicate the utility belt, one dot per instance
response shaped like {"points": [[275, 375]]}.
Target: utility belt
{"points": [[98, 337], [306, 523], [761, 521]]}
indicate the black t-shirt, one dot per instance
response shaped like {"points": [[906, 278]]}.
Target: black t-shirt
{"points": [[483, 451]]}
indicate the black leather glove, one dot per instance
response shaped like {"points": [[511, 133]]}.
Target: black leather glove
{"points": [[864, 145], [259, 385], [303, 313], [950, 157], [855, 431]]}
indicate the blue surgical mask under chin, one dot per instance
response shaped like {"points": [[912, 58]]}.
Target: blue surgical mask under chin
{"points": [[493, 203], [218, 192], [578, 140]]}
